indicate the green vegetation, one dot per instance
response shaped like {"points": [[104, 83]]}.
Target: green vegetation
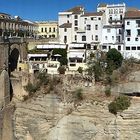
{"points": [[43, 78], [63, 52], [80, 70], [30, 88], [108, 91], [61, 70], [119, 104], [114, 60], [78, 95], [95, 68]]}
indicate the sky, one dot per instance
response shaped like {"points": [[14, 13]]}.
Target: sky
{"points": [[39, 10]]}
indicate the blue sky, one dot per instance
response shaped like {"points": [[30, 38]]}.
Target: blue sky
{"points": [[48, 9]]}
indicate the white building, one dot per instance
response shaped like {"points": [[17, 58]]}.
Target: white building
{"points": [[42, 59], [132, 34], [112, 32]]}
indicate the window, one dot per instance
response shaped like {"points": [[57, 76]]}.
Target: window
{"points": [[41, 29], [49, 29], [112, 37], [83, 38], [127, 48], [121, 17], [138, 48], [96, 37], [68, 16], [76, 16], [92, 18], [138, 22], [136, 39], [128, 32], [120, 11], [120, 31], [88, 27], [128, 39], [110, 18], [138, 31], [45, 29], [99, 18], [54, 29], [65, 29], [105, 37], [133, 48], [92, 37], [108, 30], [128, 22], [65, 39], [76, 28], [109, 47], [96, 27], [103, 47], [76, 22], [75, 37], [68, 21], [119, 48], [95, 47]]}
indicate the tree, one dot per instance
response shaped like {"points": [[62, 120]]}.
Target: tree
{"points": [[95, 68], [114, 60], [61, 70], [80, 70]]}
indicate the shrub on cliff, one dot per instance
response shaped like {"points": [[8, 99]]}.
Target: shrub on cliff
{"points": [[119, 104], [30, 88]]}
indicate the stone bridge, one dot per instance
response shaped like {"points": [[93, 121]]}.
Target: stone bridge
{"points": [[12, 51]]}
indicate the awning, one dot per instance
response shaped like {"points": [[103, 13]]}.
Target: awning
{"points": [[37, 55], [52, 46], [76, 45], [76, 55]]}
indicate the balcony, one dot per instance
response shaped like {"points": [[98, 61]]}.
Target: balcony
{"points": [[114, 20]]}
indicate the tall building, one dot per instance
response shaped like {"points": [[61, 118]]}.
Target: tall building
{"points": [[47, 29], [132, 34]]}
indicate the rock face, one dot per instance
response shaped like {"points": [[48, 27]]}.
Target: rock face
{"points": [[133, 84], [46, 118]]}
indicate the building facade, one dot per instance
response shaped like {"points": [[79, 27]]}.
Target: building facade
{"points": [[47, 29], [16, 27]]}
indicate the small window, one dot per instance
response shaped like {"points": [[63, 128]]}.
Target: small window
{"points": [[75, 37], [83, 38], [65, 29], [88, 27], [68, 21], [109, 47], [108, 30], [138, 31], [96, 27], [128, 22], [50, 30], [72, 65], [99, 18], [45, 29], [76, 22], [76, 28], [96, 37], [128, 32], [105, 37], [68, 16], [76, 16], [138, 48], [92, 18], [41, 29], [119, 48], [112, 37], [133, 48], [65, 39], [136, 39], [128, 39], [127, 48], [103, 47], [54, 29]]}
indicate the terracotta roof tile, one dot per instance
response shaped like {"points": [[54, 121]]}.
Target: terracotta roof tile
{"points": [[132, 14], [66, 25], [93, 14], [102, 5], [76, 10]]}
